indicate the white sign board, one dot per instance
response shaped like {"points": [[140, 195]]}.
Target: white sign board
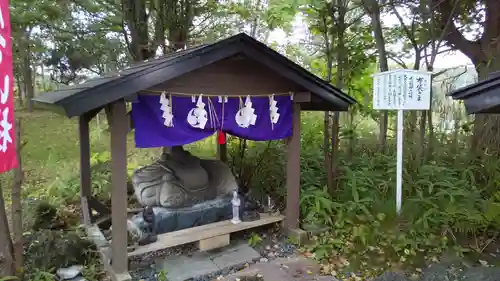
{"points": [[402, 89]]}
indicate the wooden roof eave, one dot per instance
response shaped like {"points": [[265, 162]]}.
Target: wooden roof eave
{"points": [[475, 89], [487, 101], [54, 107], [117, 88], [131, 85], [309, 77]]}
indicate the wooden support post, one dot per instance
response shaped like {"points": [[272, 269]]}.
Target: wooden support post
{"points": [[293, 173], [85, 173], [222, 148], [222, 152], [119, 128]]}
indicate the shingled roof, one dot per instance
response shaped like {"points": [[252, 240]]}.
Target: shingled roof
{"points": [[481, 97], [95, 93]]}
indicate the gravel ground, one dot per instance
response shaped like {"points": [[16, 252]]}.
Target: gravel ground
{"points": [[273, 245]]}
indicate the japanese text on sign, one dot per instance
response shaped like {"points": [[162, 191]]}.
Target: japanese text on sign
{"points": [[402, 89], [8, 157]]}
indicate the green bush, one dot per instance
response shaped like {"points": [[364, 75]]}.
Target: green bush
{"points": [[47, 250], [448, 199]]}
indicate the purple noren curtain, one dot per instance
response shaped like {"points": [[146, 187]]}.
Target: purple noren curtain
{"points": [[150, 130]]}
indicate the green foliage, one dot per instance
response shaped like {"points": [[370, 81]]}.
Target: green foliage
{"points": [[446, 202], [162, 275], [8, 278], [254, 240], [72, 248], [40, 275]]}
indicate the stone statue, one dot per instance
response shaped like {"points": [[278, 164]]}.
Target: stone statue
{"points": [[149, 218], [181, 191], [180, 179]]}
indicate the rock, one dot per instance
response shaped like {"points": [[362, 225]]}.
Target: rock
{"points": [[78, 278], [69, 272], [481, 274], [167, 220], [441, 271], [390, 276]]}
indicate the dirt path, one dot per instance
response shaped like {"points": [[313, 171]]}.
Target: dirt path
{"points": [[282, 269]]}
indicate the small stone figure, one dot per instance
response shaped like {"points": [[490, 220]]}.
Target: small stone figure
{"points": [[236, 208], [269, 205], [148, 215]]}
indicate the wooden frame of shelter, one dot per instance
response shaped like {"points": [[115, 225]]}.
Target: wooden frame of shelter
{"points": [[239, 65], [481, 97]]}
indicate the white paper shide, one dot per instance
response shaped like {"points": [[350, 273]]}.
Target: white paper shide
{"points": [[273, 110], [198, 116], [246, 117], [166, 108], [402, 89]]}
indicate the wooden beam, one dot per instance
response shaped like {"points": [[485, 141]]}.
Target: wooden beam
{"points": [[222, 152], [98, 206], [85, 172], [119, 128], [293, 173], [198, 233], [93, 113], [302, 97]]}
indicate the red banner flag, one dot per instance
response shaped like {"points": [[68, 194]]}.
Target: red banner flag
{"points": [[8, 157]]}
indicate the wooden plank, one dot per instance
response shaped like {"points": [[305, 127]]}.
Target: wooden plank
{"points": [[119, 234], [213, 243], [302, 97], [293, 172], [198, 233], [85, 173]]}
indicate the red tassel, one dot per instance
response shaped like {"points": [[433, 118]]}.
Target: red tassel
{"points": [[221, 137]]}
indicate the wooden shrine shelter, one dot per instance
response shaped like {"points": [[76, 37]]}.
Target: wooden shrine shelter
{"points": [[481, 97], [236, 66]]}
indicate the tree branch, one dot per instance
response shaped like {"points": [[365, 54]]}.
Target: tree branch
{"points": [[450, 33], [396, 59], [492, 22]]}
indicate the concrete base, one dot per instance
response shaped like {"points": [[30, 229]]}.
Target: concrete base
{"points": [[104, 249], [180, 268], [297, 235]]}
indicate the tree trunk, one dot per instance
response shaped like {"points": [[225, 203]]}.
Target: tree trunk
{"points": [[17, 215], [27, 72], [484, 53], [20, 92], [326, 150], [430, 145], [373, 9], [7, 265], [341, 59]]}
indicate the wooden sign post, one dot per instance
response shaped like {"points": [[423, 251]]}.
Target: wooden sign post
{"points": [[400, 90]]}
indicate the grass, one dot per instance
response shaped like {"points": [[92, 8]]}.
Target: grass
{"points": [[50, 159], [51, 150]]}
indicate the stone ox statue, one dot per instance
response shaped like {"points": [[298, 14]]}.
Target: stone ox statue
{"points": [[180, 191]]}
